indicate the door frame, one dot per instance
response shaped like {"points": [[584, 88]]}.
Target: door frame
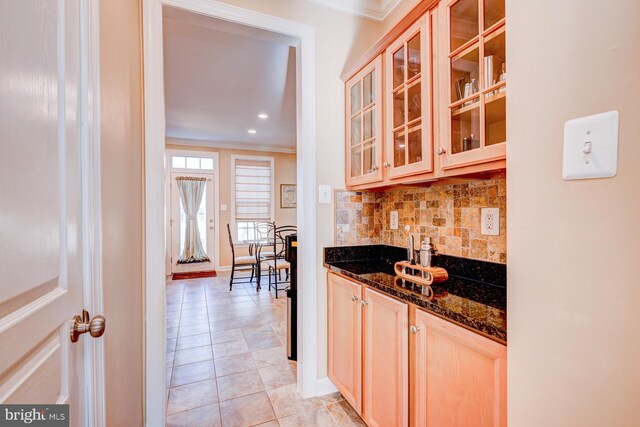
{"points": [[93, 295], [216, 200], [154, 108]]}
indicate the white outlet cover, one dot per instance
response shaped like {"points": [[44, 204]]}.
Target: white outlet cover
{"points": [[591, 147], [324, 194], [490, 221], [393, 220]]}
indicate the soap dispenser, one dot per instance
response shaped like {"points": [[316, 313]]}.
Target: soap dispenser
{"points": [[427, 251]]}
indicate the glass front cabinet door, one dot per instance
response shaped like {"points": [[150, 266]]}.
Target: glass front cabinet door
{"points": [[475, 83], [363, 125], [408, 79]]}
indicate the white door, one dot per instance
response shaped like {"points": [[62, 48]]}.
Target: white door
{"points": [[206, 224], [44, 256]]}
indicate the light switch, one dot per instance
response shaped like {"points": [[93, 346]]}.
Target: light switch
{"points": [[223, 207], [324, 194], [591, 147]]}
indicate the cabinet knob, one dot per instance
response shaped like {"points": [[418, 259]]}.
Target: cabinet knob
{"points": [[441, 151], [374, 167], [414, 329], [354, 298], [364, 302], [386, 164]]}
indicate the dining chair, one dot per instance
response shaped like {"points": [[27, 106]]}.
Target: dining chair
{"points": [[240, 263], [278, 263]]}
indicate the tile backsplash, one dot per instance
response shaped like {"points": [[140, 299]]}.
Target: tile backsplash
{"points": [[449, 214]]}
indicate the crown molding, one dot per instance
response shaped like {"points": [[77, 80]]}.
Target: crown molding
{"points": [[229, 145], [372, 9]]}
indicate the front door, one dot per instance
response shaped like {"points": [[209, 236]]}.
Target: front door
{"points": [[205, 220], [44, 250]]}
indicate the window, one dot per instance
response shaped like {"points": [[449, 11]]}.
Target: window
{"points": [[189, 162], [252, 194]]}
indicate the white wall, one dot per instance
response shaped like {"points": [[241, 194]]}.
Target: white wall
{"points": [[340, 40], [574, 273]]}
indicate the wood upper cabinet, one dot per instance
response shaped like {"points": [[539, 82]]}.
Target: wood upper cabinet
{"points": [[408, 120], [364, 125], [459, 378], [385, 361], [473, 83], [345, 338]]}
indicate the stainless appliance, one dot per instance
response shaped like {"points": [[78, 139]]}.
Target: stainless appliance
{"points": [[291, 255]]}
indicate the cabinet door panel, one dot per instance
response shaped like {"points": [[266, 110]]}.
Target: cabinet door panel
{"points": [[459, 376], [345, 338], [385, 394]]}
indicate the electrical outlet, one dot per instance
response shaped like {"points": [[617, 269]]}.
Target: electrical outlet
{"points": [[393, 220], [490, 221]]}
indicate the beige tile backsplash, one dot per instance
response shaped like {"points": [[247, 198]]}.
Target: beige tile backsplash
{"points": [[449, 214]]}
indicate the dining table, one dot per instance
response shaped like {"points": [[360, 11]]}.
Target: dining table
{"points": [[255, 248]]}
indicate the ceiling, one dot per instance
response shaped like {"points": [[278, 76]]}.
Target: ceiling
{"points": [[219, 76], [374, 9]]}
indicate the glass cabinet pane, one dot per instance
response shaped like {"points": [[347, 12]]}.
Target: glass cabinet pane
{"points": [[356, 136], [369, 94], [369, 125], [464, 22], [464, 75], [495, 112], [369, 156], [494, 60], [356, 100], [356, 161], [493, 12], [399, 148], [415, 144], [414, 58], [415, 101], [398, 109], [465, 128], [398, 67]]}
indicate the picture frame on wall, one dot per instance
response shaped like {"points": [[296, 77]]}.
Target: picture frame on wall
{"points": [[288, 196]]}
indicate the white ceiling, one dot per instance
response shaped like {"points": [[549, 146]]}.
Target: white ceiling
{"points": [[219, 76], [374, 9]]}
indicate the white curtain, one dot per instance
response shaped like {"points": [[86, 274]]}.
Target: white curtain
{"points": [[191, 192]]}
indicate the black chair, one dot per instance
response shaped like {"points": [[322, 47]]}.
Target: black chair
{"points": [[277, 263], [241, 263]]}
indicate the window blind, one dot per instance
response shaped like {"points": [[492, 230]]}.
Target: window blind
{"points": [[253, 196]]}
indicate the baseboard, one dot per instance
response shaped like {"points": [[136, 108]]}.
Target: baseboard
{"points": [[224, 268], [325, 386]]}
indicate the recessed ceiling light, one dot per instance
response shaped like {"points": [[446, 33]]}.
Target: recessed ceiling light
{"points": [[263, 116], [252, 131]]}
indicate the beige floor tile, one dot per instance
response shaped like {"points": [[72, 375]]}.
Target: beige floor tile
{"points": [[344, 415], [269, 357], [317, 418], [247, 411], [171, 344], [218, 337], [262, 340], [287, 401], [194, 319], [278, 375], [273, 423], [185, 331], [230, 348], [330, 398], [193, 341], [169, 359], [193, 372], [238, 385], [167, 378], [234, 364], [192, 396], [206, 416], [192, 355]]}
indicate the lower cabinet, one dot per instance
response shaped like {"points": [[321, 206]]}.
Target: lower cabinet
{"points": [[398, 365], [385, 360], [459, 378]]}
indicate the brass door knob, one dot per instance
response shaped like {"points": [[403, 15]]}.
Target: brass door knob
{"points": [[83, 324]]}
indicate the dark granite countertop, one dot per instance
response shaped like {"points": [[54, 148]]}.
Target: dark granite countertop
{"points": [[477, 302]]}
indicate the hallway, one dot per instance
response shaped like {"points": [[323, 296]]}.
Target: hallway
{"points": [[227, 364]]}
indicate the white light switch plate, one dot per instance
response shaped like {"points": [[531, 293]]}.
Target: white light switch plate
{"points": [[393, 220], [490, 221], [591, 147], [223, 207], [324, 194]]}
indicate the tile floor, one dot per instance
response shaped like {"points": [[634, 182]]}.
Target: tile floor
{"points": [[227, 364]]}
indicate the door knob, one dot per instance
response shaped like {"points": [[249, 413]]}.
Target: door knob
{"points": [[83, 324]]}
